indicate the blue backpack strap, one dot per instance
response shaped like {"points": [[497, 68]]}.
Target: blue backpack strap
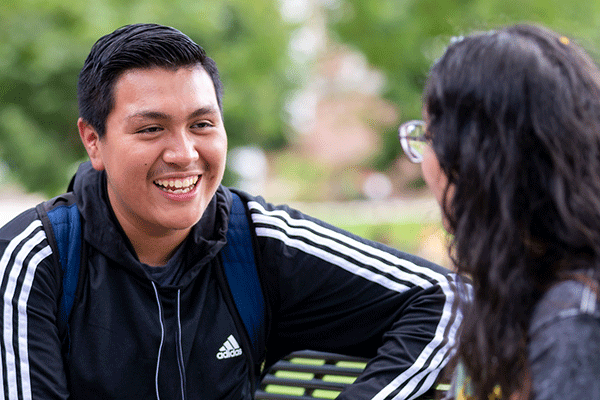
{"points": [[61, 220], [242, 275]]}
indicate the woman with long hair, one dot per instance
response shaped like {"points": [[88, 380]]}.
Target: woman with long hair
{"points": [[510, 147]]}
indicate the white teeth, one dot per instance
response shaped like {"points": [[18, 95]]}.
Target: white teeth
{"points": [[177, 186]]}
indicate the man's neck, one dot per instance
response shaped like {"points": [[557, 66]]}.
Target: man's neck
{"points": [[157, 251], [154, 247]]}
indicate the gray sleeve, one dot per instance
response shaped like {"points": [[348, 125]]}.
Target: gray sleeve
{"points": [[564, 356]]}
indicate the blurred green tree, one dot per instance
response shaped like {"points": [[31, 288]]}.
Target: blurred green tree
{"points": [[43, 44], [402, 38]]}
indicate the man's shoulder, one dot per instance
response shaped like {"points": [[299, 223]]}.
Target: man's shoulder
{"points": [[23, 240], [19, 224]]}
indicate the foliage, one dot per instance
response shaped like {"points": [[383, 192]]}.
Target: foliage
{"points": [[43, 44], [403, 37]]}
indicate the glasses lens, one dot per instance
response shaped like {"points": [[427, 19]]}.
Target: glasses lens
{"points": [[412, 138]]}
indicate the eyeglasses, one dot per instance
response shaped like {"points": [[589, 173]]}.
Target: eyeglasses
{"points": [[413, 140]]}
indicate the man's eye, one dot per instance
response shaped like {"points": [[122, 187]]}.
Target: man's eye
{"points": [[150, 129], [202, 124]]}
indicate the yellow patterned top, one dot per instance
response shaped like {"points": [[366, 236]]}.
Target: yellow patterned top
{"points": [[463, 387]]}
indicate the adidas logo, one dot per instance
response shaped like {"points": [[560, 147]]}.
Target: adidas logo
{"points": [[230, 349]]}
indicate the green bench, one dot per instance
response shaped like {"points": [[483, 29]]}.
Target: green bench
{"points": [[310, 375]]}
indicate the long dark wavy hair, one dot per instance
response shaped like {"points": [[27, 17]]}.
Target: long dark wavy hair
{"points": [[513, 116]]}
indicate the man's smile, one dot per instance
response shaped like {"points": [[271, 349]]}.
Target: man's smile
{"points": [[177, 186]]}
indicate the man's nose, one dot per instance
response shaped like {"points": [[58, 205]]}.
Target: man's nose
{"points": [[181, 148]]}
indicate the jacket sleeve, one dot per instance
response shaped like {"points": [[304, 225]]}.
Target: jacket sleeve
{"points": [[32, 365], [332, 291]]}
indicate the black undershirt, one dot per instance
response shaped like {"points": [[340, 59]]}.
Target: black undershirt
{"points": [[170, 273]]}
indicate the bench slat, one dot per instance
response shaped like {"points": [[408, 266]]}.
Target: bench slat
{"points": [[262, 395], [321, 355], [308, 383], [325, 369]]}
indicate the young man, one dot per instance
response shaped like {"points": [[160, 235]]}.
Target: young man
{"points": [[152, 319]]}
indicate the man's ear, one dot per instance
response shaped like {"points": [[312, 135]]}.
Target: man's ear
{"points": [[91, 142]]}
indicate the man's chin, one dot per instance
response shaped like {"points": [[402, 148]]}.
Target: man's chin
{"points": [[180, 225]]}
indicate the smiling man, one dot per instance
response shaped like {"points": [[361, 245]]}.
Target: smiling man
{"points": [[152, 316]]}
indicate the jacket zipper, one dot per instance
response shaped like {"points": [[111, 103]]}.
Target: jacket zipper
{"points": [[179, 347], [162, 339]]}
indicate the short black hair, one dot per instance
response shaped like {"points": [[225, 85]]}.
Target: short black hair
{"points": [[129, 47]]}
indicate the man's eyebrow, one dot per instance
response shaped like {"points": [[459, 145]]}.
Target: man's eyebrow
{"points": [[149, 115], [209, 110], [202, 111]]}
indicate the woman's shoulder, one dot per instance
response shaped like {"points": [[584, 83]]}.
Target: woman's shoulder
{"points": [[564, 343], [565, 300]]}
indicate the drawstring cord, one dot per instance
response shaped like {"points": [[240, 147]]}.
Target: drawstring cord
{"points": [[180, 363], [162, 339]]}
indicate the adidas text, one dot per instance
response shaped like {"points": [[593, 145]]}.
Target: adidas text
{"points": [[230, 349], [229, 353]]}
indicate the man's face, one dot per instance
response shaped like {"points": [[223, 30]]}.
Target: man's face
{"points": [[164, 149]]}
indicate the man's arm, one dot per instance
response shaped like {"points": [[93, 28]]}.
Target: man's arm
{"points": [[414, 350], [32, 365], [332, 291]]}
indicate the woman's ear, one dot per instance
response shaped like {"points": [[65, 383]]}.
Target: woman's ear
{"points": [[91, 142]]}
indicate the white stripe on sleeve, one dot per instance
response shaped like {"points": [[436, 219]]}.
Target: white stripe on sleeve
{"points": [[410, 379], [22, 310], [343, 244]]}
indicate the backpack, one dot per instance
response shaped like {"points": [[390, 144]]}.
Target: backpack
{"points": [[62, 224]]}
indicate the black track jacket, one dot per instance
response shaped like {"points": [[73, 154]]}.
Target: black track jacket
{"points": [[130, 338]]}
